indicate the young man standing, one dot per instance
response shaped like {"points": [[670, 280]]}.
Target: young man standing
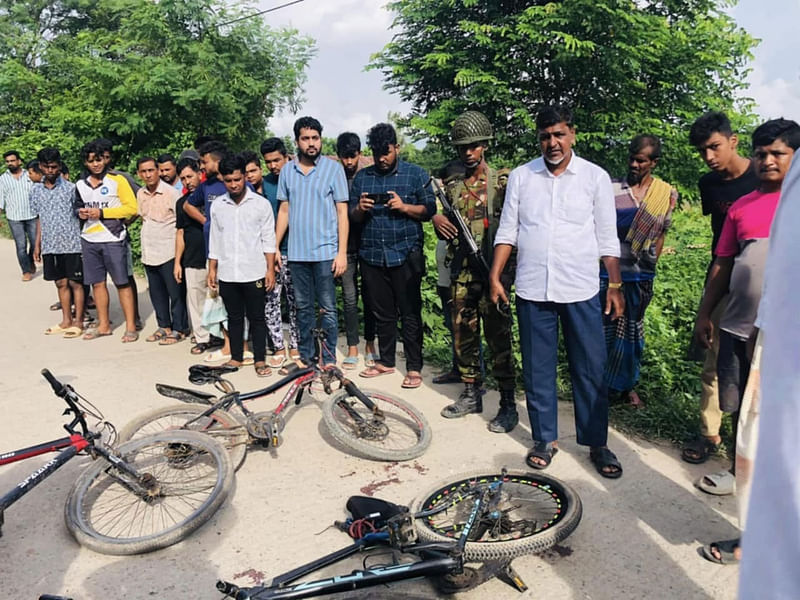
{"points": [[15, 188], [738, 269], [254, 174], [348, 149], [242, 256], [731, 177], [392, 263], [275, 158], [168, 171], [190, 257], [103, 202], [198, 204], [156, 202], [559, 213], [312, 190], [58, 241]]}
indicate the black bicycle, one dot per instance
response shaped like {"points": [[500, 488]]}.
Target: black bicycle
{"points": [[373, 424], [478, 518], [141, 496]]}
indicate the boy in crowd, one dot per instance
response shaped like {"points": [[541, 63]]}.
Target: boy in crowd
{"points": [[348, 149], [741, 255], [156, 202], [58, 241], [242, 256], [731, 177], [103, 201], [275, 157], [190, 257]]}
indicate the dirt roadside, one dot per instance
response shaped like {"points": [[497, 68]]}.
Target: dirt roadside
{"points": [[639, 535]]}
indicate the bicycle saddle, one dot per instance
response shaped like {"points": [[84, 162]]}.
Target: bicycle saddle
{"points": [[184, 395]]}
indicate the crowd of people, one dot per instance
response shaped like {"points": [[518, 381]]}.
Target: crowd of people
{"points": [[224, 243]]}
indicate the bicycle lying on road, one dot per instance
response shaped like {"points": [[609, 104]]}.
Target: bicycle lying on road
{"points": [[373, 424], [476, 518], [141, 496]]}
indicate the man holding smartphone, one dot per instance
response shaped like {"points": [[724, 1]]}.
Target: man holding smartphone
{"points": [[391, 199]]}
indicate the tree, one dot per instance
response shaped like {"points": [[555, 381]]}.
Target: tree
{"points": [[625, 67], [151, 76]]}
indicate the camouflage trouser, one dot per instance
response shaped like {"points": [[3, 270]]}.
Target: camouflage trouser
{"points": [[470, 303]]}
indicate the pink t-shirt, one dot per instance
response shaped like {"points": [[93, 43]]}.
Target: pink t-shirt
{"points": [[749, 218]]}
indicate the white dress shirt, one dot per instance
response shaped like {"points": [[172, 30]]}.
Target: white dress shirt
{"points": [[561, 225], [240, 235]]}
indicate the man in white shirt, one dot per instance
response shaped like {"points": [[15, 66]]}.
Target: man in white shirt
{"points": [[241, 253], [559, 214]]}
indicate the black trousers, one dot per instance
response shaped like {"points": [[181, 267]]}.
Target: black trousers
{"points": [[391, 291], [245, 299]]}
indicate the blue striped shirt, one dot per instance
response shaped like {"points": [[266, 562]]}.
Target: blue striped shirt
{"points": [[14, 196], [388, 236], [312, 199]]}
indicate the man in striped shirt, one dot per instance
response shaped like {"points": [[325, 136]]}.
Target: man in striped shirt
{"points": [[312, 190], [15, 188]]}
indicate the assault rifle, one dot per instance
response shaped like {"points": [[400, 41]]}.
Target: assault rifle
{"points": [[464, 242]]}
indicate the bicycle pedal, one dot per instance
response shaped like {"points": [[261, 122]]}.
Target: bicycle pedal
{"points": [[514, 578], [276, 441]]}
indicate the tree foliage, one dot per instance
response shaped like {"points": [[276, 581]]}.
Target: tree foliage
{"points": [[625, 67], [151, 76]]}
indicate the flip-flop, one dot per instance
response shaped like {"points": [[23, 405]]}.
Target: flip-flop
{"points": [[411, 382], [277, 360], [721, 483], [55, 329], [262, 370], [726, 549], [216, 356], [350, 363], [374, 371], [93, 334], [130, 336], [73, 332]]}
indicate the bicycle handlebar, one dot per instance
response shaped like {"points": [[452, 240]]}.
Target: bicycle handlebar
{"points": [[231, 590], [58, 388]]}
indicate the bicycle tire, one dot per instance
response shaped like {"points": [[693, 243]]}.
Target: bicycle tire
{"points": [[220, 425], [194, 475], [408, 434], [548, 499]]}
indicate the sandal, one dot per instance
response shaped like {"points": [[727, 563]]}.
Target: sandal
{"points": [[292, 366], [698, 450], [55, 306], [200, 348], [247, 358], [411, 381], [544, 451], [277, 360], [603, 457], [54, 330], [73, 332], [158, 335], [171, 338], [726, 550], [376, 371], [262, 370], [369, 359], [721, 483], [350, 363], [130, 336], [93, 334]]}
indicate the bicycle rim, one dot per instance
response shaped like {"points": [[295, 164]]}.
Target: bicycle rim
{"points": [[533, 513], [402, 435], [220, 425], [192, 474]]}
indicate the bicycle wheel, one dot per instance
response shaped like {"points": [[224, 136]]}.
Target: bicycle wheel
{"points": [[403, 434], [532, 513], [188, 476], [220, 425]]}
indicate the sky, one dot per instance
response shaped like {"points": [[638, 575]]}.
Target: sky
{"points": [[345, 97]]}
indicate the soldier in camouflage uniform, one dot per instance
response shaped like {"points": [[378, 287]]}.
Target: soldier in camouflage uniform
{"points": [[478, 196]]}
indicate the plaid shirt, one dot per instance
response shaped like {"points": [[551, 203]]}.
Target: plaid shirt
{"points": [[387, 236]]}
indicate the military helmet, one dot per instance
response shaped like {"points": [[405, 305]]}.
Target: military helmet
{"points": [[469, 128]]}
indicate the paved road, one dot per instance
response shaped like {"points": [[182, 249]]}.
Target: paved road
{"points": [[639, 537]]}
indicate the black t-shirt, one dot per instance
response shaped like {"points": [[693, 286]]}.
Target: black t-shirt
{"points": [[717, 195], [194, 252]]}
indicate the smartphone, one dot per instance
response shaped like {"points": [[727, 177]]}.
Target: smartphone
{"points": [[380, 198]]}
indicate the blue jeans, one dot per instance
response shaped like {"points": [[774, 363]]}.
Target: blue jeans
{"points": [[582, 323], [24, 233], [313, 281]]}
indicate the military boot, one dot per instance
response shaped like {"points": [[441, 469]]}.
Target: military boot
{"points": [[507, 417], [470, 401]]}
